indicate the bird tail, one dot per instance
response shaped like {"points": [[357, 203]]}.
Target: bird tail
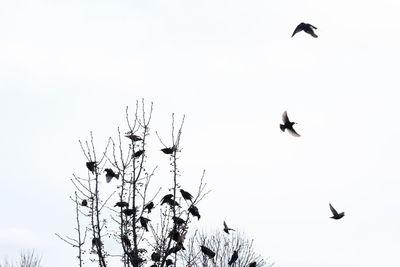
{"points": [[282, 127]]}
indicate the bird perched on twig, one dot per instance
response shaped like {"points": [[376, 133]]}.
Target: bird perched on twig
{"points": [[168, 262], [336, 215], [96, 242], [178, 221], [133, 137], [143, 223], [194, 211], [110, 174], [129, 212], [172, 203], [149, 206], [155, 256], [91, 165], [121, 204], [126, 241], [253, 264], [186, 195], [306, 27], [208, 252], [176, 248], [169, 150], [234, 257], [138, 153], [288, 125], [227, 229], [166, 198], [84, 203]]}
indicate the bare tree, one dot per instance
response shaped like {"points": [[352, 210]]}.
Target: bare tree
{"points": [[27, 259], [223, 245]]}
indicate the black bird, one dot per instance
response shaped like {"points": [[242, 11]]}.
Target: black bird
{"points": [[121, 204], [168, 262], [186, 195], [172, 203], [110, 174], [174, 235], [153, 265], [336, 215], [208, 252], [96, 242], [128, 212], [253, 264], [234, 257], [133, 137], [149, 206], [91, 165], [126, 241], [176, 248], [308, 28], [194, 211], [155, 256], [166, 198], [143, 223], [178, 221], [169, 150], [138, 153], [227, 229], [84, 203], [288, 125]]}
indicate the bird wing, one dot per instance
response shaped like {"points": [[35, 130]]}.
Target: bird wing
{"points": [[334, 212], [293, 132], [285, 117], [225, 225], [299, 28], [315, 28]]}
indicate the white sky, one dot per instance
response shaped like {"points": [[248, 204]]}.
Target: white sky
{"points": [[68, 67]]}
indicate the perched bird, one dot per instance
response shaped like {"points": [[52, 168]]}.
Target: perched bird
{"points": [[91, 165], [208, 252], [194, 211], [168, 262], [172, 203], [126, 241], [308, 28], [138, 153], [186, 195], [227, 229], [166, 198], [149, 206], [143, 223], [133, 137], [128, 212], [336, 215], [288, 125], [174, 235], [153, 265], [176, 248], [96, 242], [121, 204], [110, 174], [155, 256], [84, 203], [234, 257], [253, 264], [169, 150], [178, 221]]}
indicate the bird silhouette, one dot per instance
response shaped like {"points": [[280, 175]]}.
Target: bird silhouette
{"points": [[169, 150], [143, 223], [336, 215], [194, 211], [121, 204], [208, 252], [96, 242], [133, 137], [168, 262], [174, 235], [234, 257], [138, 153], [172, 203], [149, 206], [186, 195], [179, 246], [227, 229], [126, 241], [155, 256], [91, 165], [166, 198], [178, 221], [253, 264], [84, 203], [288, 125], [308, 28], [128, 212], [110, 174]]}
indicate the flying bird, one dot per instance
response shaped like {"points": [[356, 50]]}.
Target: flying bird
{"points": [[336, 215], [227, 229], [110, 174], [234, 257], [194, 211], [143, 223], [169, 150], [166, 198], [84, 203], [253, 264], [121, 204], [91, 165], [128, 212], [149, 206], [138, 153], [208, 252], [288, 125], [133, 137], [186, 195], [308, 28]]}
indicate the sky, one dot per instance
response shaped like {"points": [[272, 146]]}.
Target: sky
{"points": [[232, 68]]}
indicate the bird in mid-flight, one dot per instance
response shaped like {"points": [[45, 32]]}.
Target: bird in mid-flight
{"points": [[308, 28], [288, 125], [227, 229], [336, 215]]}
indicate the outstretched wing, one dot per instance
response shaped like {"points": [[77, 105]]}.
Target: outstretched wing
{"points": [[334, 212], [293, 132], [225, 225], [315, 28], [299, 28], [285, 117]]}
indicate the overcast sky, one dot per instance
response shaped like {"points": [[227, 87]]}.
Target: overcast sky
{"points": [[71, 67]]}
